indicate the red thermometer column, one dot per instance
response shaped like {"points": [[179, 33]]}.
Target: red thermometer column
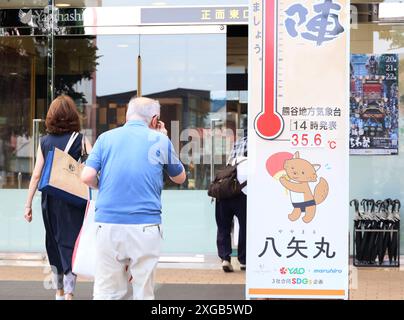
{"points": [[269, 123]]}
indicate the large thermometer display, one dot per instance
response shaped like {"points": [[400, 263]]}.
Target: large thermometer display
{"points": [[298, 149], [269, 123]]}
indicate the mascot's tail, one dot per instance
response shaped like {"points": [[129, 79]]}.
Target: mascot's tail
{"points": [[321, 191]]}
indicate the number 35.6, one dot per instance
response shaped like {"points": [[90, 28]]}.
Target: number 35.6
{"points": [[303, 140]]}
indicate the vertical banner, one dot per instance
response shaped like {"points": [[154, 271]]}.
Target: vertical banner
{"points": [[298, 185]]}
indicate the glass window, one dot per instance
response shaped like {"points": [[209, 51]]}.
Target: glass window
{"points": [[100, 73], [189, 79], [185, 72], [379, 177], [23, 95]]}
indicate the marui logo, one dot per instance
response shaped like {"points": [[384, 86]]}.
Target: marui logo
{"points": [[284, 270]]}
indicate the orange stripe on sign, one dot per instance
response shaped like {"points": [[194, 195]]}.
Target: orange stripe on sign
{"points": [[297, 292]]}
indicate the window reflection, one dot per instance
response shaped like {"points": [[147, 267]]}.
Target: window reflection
{"points": [[186, 73], [376, 177], [22, 98]]}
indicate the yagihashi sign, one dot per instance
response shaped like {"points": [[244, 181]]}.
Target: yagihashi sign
{"points": [[298, 215]]}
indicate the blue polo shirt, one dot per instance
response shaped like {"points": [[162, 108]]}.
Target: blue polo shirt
{"points": [[131, 160]]}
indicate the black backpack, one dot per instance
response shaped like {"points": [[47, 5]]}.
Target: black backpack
{"points": [[226, 185]]}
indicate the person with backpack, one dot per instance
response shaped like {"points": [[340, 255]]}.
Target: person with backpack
{"points": [[230, 190]]}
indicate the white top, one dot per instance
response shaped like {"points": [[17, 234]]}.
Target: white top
{"points": [[298, 197]]}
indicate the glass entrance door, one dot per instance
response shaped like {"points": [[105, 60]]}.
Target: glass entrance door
{"points": [[186, 72], [183, 67]]}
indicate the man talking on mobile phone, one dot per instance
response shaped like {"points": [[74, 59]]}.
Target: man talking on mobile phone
{"points": [[130, 162]]}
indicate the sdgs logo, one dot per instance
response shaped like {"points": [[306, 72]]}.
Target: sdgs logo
{"points": [[286, 271]]}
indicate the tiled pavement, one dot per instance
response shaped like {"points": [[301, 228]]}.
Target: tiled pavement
{"points": [[190, 283]]}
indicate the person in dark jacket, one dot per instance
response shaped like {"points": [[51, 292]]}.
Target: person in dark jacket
{"points": [[226, 209]]}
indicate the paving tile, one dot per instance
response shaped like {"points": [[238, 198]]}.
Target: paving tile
{"points": [[372, 284]]}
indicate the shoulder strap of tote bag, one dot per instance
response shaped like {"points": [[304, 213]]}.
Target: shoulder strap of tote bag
{"points": [[73, 138], [83, 146]]}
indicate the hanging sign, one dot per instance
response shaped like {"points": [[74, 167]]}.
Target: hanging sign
{"points": [[298, 215]]}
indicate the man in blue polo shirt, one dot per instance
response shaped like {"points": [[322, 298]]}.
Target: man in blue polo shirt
{"points": [[130, 161]]}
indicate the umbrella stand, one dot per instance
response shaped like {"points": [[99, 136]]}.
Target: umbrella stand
{"points": [[376, 233]]}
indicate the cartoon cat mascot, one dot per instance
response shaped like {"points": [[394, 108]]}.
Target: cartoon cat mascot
{"points": [[299, 174]]}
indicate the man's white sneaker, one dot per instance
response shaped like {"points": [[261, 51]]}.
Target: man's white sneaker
{"points": [[57, 297], [226, 266]]}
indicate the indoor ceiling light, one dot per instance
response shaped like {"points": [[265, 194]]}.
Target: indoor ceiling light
{"points": [[159, 3], [63, 5], [122, 45], [13, 73]]}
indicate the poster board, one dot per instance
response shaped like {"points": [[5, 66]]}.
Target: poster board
{"points": [[374, 104], [298, 148]]}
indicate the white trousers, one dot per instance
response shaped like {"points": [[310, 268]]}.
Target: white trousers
{"points": [[122, 249]]}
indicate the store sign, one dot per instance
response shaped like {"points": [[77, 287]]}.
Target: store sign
{"points": [[37, 18], [374, 104], [298, 214], [125, 16], [118, 16], [195, 15]]}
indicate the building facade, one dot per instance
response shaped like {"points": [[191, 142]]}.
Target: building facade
{"points": [[193, 57]]}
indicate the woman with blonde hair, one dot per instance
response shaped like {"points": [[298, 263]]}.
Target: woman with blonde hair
{"points": [[62, 221]]}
